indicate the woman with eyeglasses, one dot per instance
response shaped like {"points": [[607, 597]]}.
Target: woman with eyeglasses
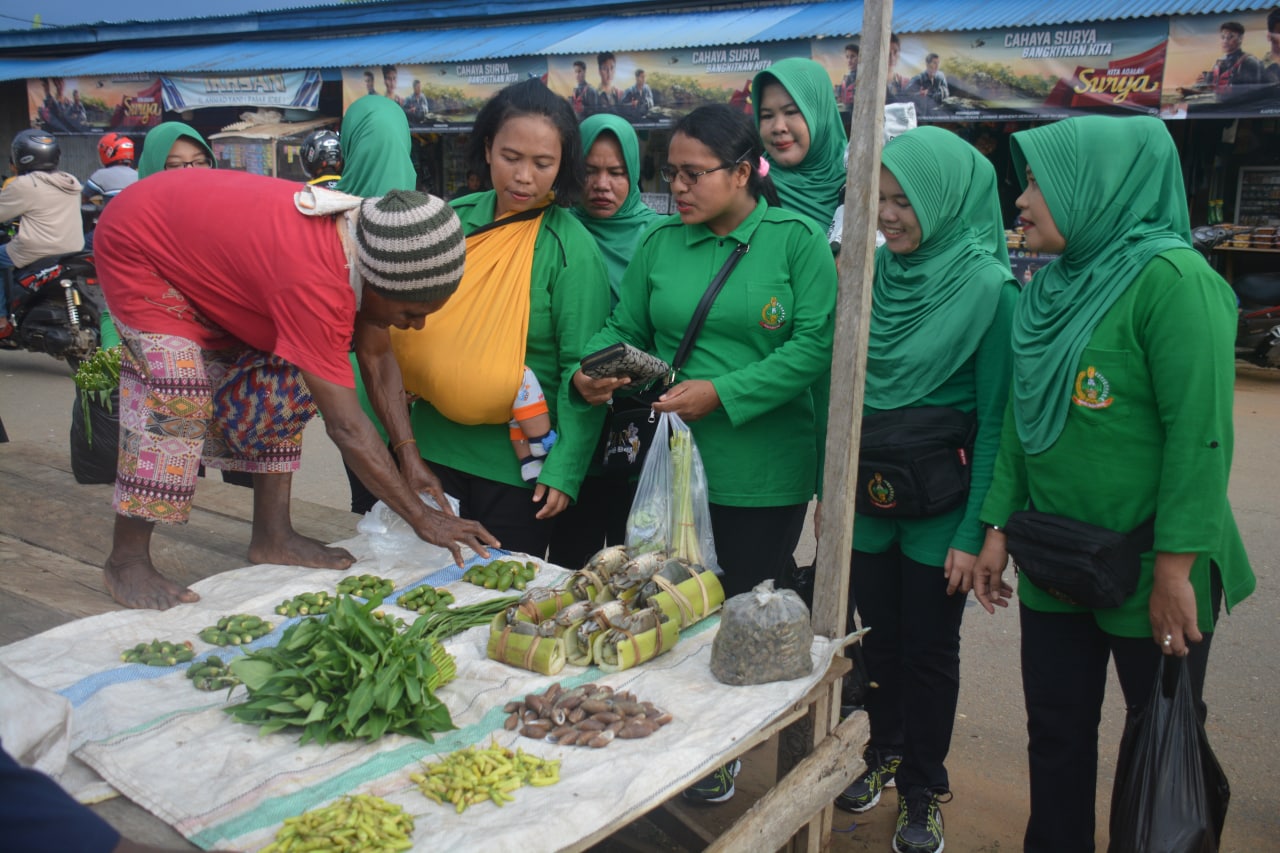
{"points": [[744, 390], [174, 145]]}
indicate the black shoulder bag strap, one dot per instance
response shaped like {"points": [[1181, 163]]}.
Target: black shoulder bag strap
{"points": [[531, 213], [704, 308]]}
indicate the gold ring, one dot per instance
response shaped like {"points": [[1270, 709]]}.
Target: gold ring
{"points": [[1168, 639]]}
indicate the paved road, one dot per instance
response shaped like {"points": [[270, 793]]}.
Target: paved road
{"points": [[988, 764]]}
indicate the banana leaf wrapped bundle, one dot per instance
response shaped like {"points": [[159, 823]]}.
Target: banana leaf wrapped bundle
{"points": [[580, 639], [566, 619], [684, 593], [634, 639], [519, 645], [539, 604]]}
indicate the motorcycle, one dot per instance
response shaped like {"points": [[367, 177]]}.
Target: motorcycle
{"points": [[55, 305], [1258, 296]]}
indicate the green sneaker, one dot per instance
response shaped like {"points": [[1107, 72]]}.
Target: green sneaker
{"points": [[865, 791], [716, 788], [920, 823]]}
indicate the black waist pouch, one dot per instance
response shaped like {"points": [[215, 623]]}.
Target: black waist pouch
{"points": [[629, 431], [915, 463], [1075, 562]]}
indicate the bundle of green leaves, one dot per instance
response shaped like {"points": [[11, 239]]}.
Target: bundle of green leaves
{"points": [[346, 676]]}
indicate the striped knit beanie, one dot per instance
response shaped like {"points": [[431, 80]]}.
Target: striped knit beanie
{"points": [[409, 246]]}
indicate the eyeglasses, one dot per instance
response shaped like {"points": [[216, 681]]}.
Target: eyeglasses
{"points": [[669, 172], [198, 163]]}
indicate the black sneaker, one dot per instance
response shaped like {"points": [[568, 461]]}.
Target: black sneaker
{"points": [[716, 788], [865, 791], [920, 823]]}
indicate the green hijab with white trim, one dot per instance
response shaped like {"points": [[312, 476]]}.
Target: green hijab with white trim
{"points": [[930, 308], [159, 140], [813, 187], [376, 148], [1114, 189], [618, 235]]}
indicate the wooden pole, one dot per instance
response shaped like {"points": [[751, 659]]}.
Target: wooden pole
{"points": [[810, 787], [853, 315], [855, 266]]}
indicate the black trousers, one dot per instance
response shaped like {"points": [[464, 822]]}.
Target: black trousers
{"points": [[506, 511], [597, 519], [1064, 679], [754, 544], [913, 653]]}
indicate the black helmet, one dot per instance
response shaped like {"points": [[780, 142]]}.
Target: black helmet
{"points": [[321, 153], [34, 151]]}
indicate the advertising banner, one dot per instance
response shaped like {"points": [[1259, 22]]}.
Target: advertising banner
{"points": [[288, 89], [87, 104], [1020, 73], [654, 88], [1224, 66], [440, 97]]}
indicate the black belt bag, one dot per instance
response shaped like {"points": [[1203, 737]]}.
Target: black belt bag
{"points": [[915, 463], [1075, 562]]}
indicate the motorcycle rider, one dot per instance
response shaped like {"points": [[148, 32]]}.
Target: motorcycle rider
{"points": [[48, 200], [119, 170], [322, 158], [119, 167]]}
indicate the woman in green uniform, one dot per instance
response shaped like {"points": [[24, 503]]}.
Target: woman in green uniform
{"points": [[803, 136], [938, 348], [744, 390], [535, 255], [615, 214], [1121, 410]]}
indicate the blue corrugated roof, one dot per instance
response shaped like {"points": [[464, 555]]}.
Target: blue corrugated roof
{"points": [[594, 34]]}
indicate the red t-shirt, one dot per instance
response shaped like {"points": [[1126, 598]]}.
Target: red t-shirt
{"points": [[222, 257]]}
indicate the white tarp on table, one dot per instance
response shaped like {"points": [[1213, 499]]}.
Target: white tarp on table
{"points": [[173, 750]]}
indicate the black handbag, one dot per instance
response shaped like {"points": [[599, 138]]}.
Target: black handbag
{"points": [[631, 423], [1076, 562], [915, 462]]}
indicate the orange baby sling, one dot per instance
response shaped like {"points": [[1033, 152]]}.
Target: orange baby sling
{"points": [[468, 358]]}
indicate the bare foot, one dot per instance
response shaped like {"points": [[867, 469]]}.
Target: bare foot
{"points": [[137, 584], [298, 550]]}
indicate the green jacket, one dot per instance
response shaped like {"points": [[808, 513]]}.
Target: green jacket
{"points": [[979, 385], [569, 301], [1148, 431], [767, 339]]}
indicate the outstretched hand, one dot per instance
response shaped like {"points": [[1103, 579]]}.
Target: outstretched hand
{"points": [[449, 531]]}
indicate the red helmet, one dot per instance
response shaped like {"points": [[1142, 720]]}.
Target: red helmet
{"points": [[115, 148]]}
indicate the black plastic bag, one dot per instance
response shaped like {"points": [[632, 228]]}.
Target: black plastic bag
{"points": [[1170, 794], [94, 442]]}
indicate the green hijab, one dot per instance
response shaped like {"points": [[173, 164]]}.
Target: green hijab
{"points": [[158, 141], [1114, 188], [813, 187], [375, 148], [618, 235], [930, 308]]}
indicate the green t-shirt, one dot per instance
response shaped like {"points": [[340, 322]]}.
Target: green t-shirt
{"points": [[1148, 431], [767, 339], [568, 302], [980, 385]]}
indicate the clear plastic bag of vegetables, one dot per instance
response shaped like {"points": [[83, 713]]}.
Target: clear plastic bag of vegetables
{"points": [[670, 513]]}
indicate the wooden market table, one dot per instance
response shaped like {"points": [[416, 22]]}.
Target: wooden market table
{"points": [[56, 536], [1231, 253]]}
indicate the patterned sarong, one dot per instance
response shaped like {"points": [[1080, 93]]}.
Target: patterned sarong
{"points": [[180, 405]]}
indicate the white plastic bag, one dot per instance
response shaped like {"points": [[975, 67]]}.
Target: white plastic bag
{"points": [[670, 512], [393, 541]]}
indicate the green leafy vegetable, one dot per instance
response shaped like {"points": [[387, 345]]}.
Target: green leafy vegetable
{"points": [[345, 676]]}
